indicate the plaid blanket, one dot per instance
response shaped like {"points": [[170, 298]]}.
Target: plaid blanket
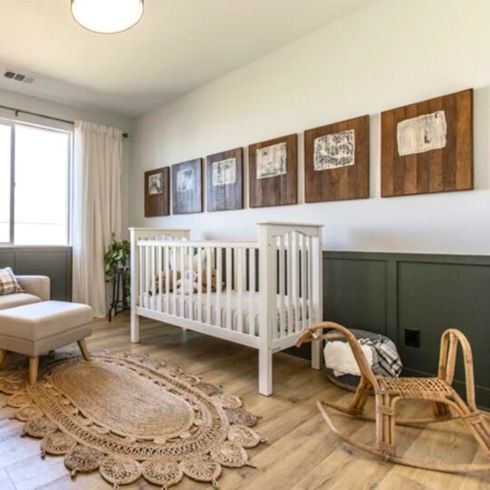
{"points": [[9, 283], [380, 352], [386, 360]]}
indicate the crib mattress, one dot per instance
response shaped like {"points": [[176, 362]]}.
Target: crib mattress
{"points": [[217, 315]]}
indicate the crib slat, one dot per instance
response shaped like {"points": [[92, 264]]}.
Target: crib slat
{"points": [[316, 292], [282, 287], [296, 280], [152, 277], [309, 252], [240, 276], [289, 271], [190, 284], [209, 266], [219, 274], [251, 291], [229, 269], [142, 275], [174, 289], [147, 276], [275, 287], [304, 279], [159, 278], [166, 259], [199, 284], [182, 281]]}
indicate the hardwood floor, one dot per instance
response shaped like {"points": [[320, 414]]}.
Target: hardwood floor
{"points": [[301, 454]]}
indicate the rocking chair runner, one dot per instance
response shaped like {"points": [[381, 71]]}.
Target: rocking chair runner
{"points": [[388, 391]]}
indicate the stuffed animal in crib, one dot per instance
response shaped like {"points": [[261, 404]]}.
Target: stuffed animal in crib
{"points": [[187, 279]]}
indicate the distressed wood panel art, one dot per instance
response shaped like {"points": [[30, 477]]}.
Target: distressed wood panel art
{"points": [[273, 172], [187, 187], [157, 192], [428, 146], [337, 161], [225, 180]]}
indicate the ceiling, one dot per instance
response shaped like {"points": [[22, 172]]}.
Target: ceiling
{"points": [[178, 46]]}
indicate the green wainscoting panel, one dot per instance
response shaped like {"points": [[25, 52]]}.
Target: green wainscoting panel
{"points": [[388, 293], [55, 262], [7, 257], [435, 296], [355, 292]]}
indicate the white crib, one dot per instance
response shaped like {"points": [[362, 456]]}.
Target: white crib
{"points": [[255, 294]]}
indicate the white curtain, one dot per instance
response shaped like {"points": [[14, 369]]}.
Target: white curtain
{"points": [[96, 213]]}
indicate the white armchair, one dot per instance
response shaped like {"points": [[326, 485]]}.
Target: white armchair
{"points": [[37, 288]]}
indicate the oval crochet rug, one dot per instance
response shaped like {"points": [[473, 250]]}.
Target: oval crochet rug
{"points": [[128, 417]]}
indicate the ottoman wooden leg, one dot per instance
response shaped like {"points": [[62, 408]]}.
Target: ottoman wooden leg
{"points": [[84, 349], [3, 355], [33, 369]]}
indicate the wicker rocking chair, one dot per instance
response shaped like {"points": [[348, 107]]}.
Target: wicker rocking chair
{"points": [[388, 391]]}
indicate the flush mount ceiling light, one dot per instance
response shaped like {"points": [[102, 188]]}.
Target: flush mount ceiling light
{"points": [[107, 16]]}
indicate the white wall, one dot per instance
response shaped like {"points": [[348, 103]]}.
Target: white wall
{"points": [[387, 55], [70, 113]]}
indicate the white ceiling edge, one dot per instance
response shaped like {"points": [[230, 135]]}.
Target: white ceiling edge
{"points": [[63, 92], [59, 92], [58, 108]]}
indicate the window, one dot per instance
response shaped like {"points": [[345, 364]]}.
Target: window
{"points": [[34, 185], [5, 181]]}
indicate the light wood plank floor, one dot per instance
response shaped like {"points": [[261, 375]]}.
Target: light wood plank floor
{"points": [[301, 453]]}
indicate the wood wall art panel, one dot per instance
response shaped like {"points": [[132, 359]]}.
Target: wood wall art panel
{"points": [[187, 187], [157, 192], [224, 181], [273, 172], [428, 147], [337, 161]]}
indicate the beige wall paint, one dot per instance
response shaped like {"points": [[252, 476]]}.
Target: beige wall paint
{"points": [[392, 53], [70, 113]]}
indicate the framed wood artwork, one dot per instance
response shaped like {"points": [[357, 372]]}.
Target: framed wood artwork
{"points": [[337, 161], [225, 180], [273, 172], [428, 147], [157, 192], [187, 187]]}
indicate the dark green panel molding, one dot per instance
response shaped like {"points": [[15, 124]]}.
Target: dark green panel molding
{"points": [[355, 292], [55, 262], [388, 293]]}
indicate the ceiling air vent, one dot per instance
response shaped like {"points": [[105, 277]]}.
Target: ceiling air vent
{"points": [[18, 77]]}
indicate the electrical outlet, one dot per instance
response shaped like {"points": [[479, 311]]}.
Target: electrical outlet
{"points": [[412, 338]]}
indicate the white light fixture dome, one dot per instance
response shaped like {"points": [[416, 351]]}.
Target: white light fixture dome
{"points": [[107, 16]]}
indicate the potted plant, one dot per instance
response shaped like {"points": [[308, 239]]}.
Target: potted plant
{"points": [[117, 262]]}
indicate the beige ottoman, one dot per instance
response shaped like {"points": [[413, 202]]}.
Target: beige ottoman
{"points": [[37, 328]]}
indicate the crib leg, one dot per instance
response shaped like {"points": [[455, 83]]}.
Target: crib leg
{"points": [[265, 371], [316, 354], [135, 328]]}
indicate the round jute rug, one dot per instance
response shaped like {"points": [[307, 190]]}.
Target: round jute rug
{"points": [[128, 417]]}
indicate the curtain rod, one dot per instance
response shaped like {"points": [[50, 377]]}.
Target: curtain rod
{"points": [[20, 111]]}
